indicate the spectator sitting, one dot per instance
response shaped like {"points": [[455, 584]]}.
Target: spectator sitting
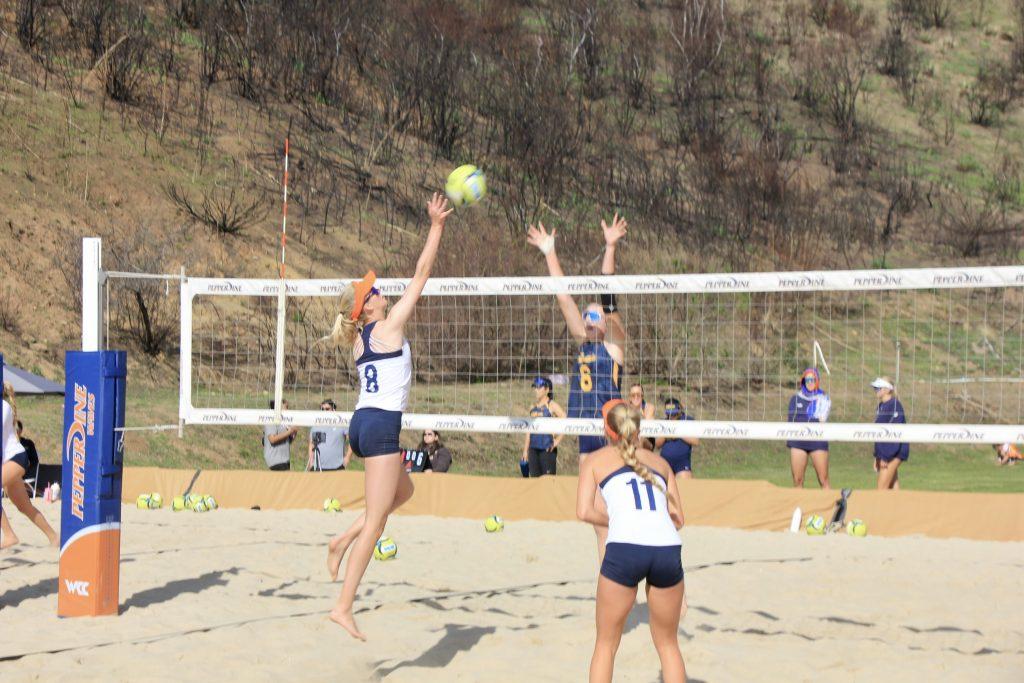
{"points": [[440, 457], [277, 440], [1007, 454], [328, 449]]}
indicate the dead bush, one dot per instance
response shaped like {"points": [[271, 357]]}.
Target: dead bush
{"points": [[226, 211]]}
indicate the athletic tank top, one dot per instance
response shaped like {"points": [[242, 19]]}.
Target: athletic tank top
{"points": [[637, 511], [12, 446], [541, 442], [384, 378], [595, 380]]}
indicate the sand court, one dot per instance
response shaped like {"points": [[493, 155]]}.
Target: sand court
{"points": [[246, 592]]}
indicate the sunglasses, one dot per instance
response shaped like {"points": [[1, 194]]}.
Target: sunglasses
{"points": [[372, 293], [672, 412], [636, 393], [592, 317]]}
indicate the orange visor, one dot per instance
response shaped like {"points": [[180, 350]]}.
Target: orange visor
{"points": [[363, 288], [606, 409]]}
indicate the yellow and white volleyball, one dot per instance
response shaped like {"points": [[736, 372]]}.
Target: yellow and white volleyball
{"points": [[466, 185], [142, 502], [178, 503], [199, 506], [494, 523], [815, 525], [211, 502], [156, 501], [386, 549], [332, 505], [857, 527]]}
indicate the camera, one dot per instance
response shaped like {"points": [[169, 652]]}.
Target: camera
{"points": [[319, 438]]}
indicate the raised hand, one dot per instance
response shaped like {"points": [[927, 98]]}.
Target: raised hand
{"points": [[539, 237], [438, 209], [614, 232]]}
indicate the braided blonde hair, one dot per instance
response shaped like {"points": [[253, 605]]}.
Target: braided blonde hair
{"points": [[624, 420], [9, 397], [345, 329]]}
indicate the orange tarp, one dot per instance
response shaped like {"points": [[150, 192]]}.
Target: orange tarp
{"points": [[706, 502]]}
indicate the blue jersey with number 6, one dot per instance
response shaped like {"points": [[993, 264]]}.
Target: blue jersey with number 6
{"points": [[384, 377], [637, 510], [595, 380]]}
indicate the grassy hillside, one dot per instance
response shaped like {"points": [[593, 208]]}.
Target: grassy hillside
{"points": [[770, 135]]}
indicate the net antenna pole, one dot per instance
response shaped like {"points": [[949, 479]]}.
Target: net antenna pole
{"points": [[897, 378], [819, 355], [281, 299], [92, 294]]}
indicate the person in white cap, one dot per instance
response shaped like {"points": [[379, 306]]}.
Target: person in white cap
{"points": [[889, 456]]}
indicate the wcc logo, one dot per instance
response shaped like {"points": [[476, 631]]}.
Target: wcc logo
{"points": [[79, 588]]}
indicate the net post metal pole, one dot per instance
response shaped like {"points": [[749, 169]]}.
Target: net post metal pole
{"points": [[92, 283]]}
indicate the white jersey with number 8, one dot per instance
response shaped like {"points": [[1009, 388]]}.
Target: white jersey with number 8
{"points": [[384, 378]]}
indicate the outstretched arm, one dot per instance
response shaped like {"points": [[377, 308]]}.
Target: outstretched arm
{"points": [[612, 234], [439, 211], [539, 237]]}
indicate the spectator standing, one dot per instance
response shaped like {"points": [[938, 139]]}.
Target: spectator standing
{"points": [[638, 400], [677, 452], [277, 443], [328, 446], [809, 404], [889, 456], [540, 451]]}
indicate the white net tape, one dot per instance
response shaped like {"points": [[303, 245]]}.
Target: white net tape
{"points": [[730, 347]]}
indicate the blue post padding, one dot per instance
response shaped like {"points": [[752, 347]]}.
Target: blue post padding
{"points": [[93, 452]]}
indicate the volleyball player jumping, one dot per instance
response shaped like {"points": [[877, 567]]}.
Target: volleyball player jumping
{"points": [[597, 375], [384, 362]]}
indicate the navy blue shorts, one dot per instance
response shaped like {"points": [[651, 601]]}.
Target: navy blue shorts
{"points": [[21, 459], [808, 446], [628, 564], [589, 444], [678, 463], [375, 432]]}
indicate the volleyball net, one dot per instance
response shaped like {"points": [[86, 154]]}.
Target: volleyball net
{"points": [[729, 347]]}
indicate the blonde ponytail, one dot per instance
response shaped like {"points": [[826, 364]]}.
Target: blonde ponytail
{"points": [[625, 421], [345, 329], [9, 397]]}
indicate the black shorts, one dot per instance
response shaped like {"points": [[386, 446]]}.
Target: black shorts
{"points": [[281, 467], [21, 459], [628, 564], [542, 461], [375, 432]]}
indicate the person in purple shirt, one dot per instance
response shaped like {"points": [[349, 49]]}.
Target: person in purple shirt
{"points": [[888, 456], [809, 404]]}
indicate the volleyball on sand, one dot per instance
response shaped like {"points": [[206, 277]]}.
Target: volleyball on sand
{"points": [[857, 527], [211, 503], [386, 549], [815, 525], [494, 523], [332, 505], [466, 185], [156, 501], [142, 502], [178, 503]]}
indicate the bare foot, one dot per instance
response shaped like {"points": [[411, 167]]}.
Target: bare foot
{"points": [[9, 541], [336, 549], [347, 622]]}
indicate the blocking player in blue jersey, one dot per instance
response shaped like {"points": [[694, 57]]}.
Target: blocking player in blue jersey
{"points": [[598, 329]]}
